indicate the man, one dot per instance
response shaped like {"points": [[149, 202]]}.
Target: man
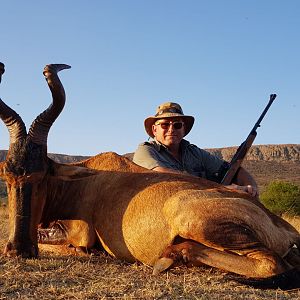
{"points": [[169, 152]]}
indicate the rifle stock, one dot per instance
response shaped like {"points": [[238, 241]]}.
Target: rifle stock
{"points": [[243, 149]]}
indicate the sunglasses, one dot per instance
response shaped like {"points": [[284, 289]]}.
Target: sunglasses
{"points": [[166, 125]]}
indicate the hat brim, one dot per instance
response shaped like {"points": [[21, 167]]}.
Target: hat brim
{"points": [[188, 122]]}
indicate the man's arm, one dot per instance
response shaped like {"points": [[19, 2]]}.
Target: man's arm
{"points": [[166, 170], [148, 157], [244, 182]]}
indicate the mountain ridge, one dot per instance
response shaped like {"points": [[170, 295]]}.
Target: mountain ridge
{"points": [[283, 152], [277, 153], [264, 162]]}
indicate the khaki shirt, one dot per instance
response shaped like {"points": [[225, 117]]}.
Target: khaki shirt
{"points": [[194, 160]]}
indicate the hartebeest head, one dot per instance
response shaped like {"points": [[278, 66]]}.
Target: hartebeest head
{"points": [[27, 165]]}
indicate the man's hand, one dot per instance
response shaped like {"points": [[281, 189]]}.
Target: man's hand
{"points": [[250, 189], [245, 182]]}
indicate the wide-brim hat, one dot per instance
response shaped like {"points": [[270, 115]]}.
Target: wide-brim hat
{"points": [[169, 110]]}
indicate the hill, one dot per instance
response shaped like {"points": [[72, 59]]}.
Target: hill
{"points": [[264, 162], [268, 162], [61, 158], [276, 153]]}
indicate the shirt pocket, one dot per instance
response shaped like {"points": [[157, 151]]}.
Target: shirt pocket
{"points": [[163, 162]]}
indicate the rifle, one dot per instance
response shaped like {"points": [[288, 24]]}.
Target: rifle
{"points": [[243, 149]]}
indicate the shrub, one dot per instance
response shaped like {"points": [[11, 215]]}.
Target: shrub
{"points": [[282, 197]]}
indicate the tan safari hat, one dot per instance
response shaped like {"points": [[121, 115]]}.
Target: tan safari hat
{"points": [[169, 110]]}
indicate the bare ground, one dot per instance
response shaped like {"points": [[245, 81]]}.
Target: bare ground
{"points": [[103, 277]]}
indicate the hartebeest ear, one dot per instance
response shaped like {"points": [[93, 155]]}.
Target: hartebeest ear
{"points": [[69, 172]]}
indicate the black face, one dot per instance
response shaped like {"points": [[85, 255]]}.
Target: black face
{"points": [[25, 157], [25, 168], [20, 241]]}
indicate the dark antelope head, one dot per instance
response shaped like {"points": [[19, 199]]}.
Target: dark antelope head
{"points": [[26, 167]]}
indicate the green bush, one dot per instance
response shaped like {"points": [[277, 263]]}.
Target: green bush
{"points": [[282, 197]]}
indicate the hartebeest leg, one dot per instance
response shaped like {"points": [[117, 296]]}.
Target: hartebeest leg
{"points": [[259, 263], [55, 235], [78, 233]]}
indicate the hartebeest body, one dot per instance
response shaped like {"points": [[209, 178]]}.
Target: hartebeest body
{"points": [[136, 214]]}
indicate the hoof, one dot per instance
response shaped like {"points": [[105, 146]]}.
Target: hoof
{"points": [[54, 68], [162, 264], [27, 251]]}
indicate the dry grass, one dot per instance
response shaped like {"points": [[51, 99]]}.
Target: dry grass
{"points": [[102, 277], [295, 221]]}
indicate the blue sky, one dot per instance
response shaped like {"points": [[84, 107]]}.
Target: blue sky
{"points": [[219, 59]]}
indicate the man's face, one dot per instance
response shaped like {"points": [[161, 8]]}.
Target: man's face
{"points": [[169, 131]]}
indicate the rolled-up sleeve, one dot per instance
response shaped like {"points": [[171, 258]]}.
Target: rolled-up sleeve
{"points": [[146, 156]]}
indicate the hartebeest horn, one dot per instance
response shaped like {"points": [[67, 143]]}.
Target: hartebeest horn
{"points": [[2, 70], [11, 119], [40, 127]]}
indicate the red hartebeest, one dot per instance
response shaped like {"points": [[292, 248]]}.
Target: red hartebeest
{"points": [[158, 219]]}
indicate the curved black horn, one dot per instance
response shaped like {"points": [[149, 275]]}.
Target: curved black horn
{"points": [[40, 127], [2, 70], [11, 119]]}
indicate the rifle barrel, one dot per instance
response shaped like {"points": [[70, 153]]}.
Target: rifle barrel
{"points": [[257, 124], [243, 149]]}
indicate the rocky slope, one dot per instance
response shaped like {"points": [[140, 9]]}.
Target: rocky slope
{"points": [[268, 162], [278, 153], [61, 158]]}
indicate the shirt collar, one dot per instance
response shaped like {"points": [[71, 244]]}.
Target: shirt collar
{"points": [[159, 146]]}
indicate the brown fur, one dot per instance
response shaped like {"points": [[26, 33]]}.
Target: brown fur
{"points": [[137, 214]]}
